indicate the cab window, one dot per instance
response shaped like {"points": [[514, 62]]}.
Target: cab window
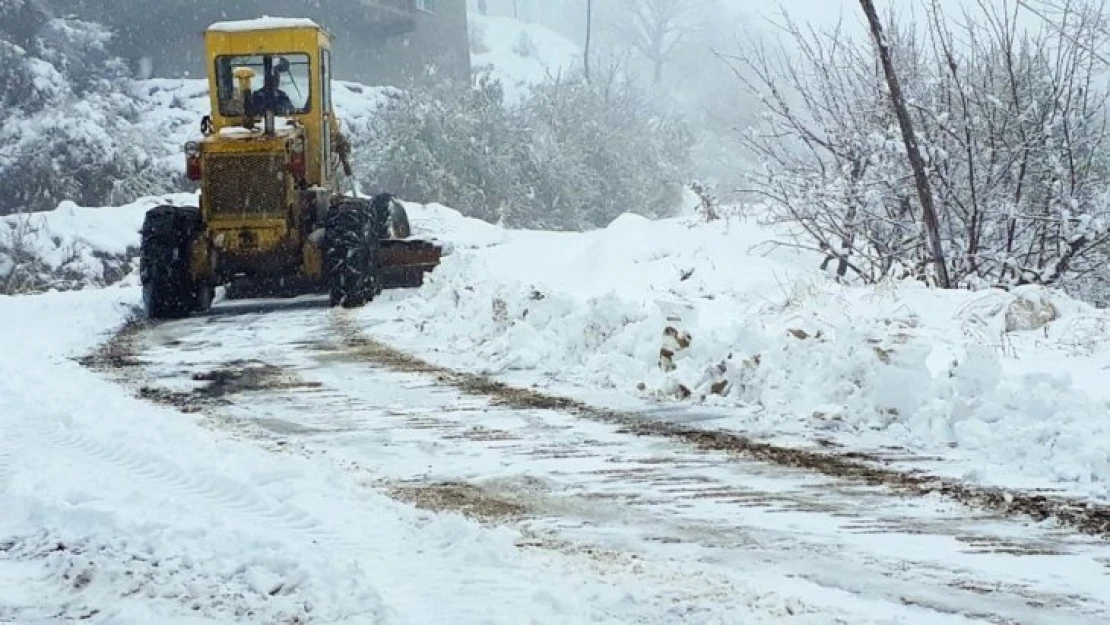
{"points": [[287, 93]]}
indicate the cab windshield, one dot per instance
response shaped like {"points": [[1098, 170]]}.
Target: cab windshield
{"points": [[281, 84]]}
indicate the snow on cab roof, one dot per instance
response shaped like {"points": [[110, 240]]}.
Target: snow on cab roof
{"points": [[263, 23]]}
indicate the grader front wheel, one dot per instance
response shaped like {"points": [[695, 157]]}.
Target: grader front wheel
{"points": [[169, 290], [352, 252]]}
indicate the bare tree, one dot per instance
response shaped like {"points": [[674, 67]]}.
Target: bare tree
{"points": [[657, 27], [1011, 128], [1054, 13]]}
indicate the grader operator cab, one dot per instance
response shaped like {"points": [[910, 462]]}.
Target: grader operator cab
{"points": [[272, 217]]}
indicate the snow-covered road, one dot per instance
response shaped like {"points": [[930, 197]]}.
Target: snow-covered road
{"points": [[563, 519]]}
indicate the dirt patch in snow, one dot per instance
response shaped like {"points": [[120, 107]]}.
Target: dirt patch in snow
{"points": [[246, 376], [230, 379], [466, 499], [120, 351], [1086, 517], [119, 357]]}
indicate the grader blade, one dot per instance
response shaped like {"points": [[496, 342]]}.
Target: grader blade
{"points": [[405, 261]]}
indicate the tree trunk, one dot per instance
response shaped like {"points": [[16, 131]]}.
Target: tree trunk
{"points": [[924, 192]]}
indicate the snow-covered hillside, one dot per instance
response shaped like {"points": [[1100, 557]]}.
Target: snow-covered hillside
{"points": [[519, 54]]}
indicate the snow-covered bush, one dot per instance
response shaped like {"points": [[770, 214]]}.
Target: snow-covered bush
{"points": [[447, 143], [1013, 128], [569, 155], [34, 259], [600, 150], [66, 126]]}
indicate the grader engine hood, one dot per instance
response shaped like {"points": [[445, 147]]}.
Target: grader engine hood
{"points": [[247, 177]]}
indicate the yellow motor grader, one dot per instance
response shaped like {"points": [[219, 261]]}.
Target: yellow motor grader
{"points": [[272, 218]]}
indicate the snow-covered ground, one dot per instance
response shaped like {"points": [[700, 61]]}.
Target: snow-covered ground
{"points": [[119, 512], [776, 348], [705, 535]]}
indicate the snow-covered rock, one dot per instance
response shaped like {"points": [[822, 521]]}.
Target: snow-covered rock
{"points": [[1030, 310]]}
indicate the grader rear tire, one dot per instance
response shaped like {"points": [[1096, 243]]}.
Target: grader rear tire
{"points": [[399, 220], [352, 246], [169, 291]]}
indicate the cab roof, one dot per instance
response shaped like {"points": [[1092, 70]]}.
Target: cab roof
{"points": [[263, 23]]}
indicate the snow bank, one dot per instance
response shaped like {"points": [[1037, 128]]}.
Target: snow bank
{"points": [[783, 350], [519, 54], [74, 247]]}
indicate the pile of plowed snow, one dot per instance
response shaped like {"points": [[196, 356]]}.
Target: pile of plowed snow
{"points": [[1007, 387]]}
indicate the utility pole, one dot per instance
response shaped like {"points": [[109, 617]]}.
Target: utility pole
{"points": [[589, 31], [924, 192]]}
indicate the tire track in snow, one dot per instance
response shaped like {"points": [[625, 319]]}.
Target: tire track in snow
{"points": [[11, 449], [167, 477]]}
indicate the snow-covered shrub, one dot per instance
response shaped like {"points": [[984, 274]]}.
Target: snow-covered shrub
{"points": [[600, 150], [79, 51], [444, 142], [73, 247], [1013, 129], [66, 126], [569, 155]]}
